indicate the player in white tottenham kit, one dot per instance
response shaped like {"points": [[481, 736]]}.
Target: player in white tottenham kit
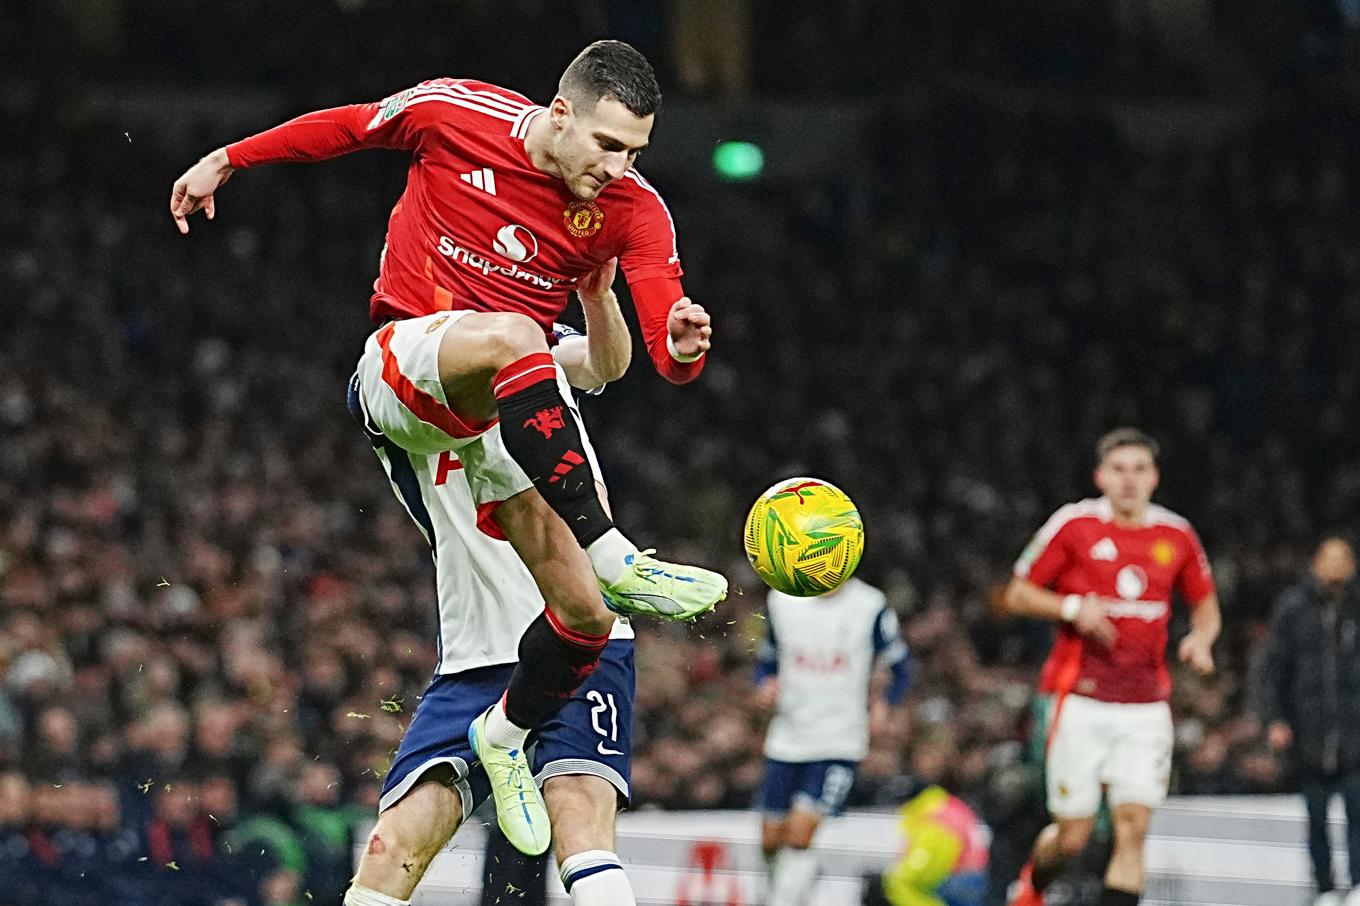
{"points": [[581, 755], [815, 667]]}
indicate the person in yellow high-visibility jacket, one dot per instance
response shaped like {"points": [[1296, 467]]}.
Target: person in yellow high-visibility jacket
{"points": [[944, 856]]}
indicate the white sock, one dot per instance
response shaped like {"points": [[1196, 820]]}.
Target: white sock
{"points": [[596, 878], [501, 732], [608, 554], [791, 881], [358, 895]]}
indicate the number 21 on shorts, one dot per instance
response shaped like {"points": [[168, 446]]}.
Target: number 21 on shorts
{"points": [[603, 703]]}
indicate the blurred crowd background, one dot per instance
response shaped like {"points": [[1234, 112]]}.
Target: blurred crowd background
{"points": [[214, 617]]}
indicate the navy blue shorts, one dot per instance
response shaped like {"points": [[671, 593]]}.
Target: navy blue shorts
{"points": [[815, 786], [591, 734]]}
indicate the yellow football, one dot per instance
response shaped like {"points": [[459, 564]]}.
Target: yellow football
{"points": [[804, 537]]}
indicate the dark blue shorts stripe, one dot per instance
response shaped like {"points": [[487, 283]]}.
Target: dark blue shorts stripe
{"points": [[407, 484], [403, 473], [404, 477]]}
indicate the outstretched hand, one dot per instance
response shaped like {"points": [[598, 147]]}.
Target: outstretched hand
{"points": [[194, 190], [689, 327]]}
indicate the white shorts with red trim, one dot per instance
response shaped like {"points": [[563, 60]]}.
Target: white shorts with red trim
{"points": [[1121, 749], [403, 400], [449, 486]]}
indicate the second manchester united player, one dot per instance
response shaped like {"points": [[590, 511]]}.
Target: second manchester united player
{"points": [[1104, 569]]}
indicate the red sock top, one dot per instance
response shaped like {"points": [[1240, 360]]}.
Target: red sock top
{"points": [[575, 636], [534, 368]]}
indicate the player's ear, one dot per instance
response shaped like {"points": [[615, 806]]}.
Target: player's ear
{"points": [[560, 110]]}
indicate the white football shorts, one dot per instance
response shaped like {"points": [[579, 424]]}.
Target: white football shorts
{"points": [[403, 400], [1122, 749]]}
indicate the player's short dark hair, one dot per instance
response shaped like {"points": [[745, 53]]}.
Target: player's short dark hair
{"points": [[1126, 437], [612, 69]]}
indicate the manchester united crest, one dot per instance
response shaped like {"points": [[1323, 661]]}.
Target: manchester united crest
{"points": [[583, 218], [1163, 552]]}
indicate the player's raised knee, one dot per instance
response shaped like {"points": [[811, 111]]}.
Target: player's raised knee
{"points": [[485, 342], [507, 336]]}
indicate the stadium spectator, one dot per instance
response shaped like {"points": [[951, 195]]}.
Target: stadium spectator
{"points": [[1311, 699]]}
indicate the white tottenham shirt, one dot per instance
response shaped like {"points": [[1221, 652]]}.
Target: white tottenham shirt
{"points": [[823, 650]]}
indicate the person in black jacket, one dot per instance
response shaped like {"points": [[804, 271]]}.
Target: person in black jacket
{"points": [[1311, 699]]}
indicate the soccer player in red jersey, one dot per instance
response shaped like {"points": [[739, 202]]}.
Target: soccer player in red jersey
{"points": [[508, 207], [1104, 570]]}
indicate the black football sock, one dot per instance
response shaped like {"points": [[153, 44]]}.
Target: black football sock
{"points": [[1111, 896], [553, 661], [540, 432]]}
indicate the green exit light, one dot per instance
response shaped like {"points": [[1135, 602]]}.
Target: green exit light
{"points": [[738, 161]]}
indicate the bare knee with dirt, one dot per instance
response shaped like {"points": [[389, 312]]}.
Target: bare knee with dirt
{"points": [[405, 840]]}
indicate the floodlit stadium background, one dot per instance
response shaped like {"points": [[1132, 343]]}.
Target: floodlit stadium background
{"points": [[946, 245]]}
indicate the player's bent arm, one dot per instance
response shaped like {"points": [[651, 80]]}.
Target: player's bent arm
{"points": [[1197, 648], [609, 346], [573, 354], [891, 651], [899, 683], [1025, 599], [677, 360], [603, 354], [1206, 619], [1086, 613]]}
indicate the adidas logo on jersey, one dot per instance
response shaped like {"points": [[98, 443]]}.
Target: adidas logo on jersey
{"points": [[1104, 549], [483, 179]]}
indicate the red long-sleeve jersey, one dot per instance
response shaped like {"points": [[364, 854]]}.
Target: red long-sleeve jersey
{"points": [[478, 225], [1081, 550]]}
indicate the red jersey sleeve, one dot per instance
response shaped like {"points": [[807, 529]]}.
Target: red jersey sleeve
{"points": [[1044, 558], [651, 264], [653, 300], [394, 122], [1196, 579]]}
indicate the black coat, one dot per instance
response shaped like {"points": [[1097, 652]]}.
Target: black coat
{"points": [[1312, 675]]}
